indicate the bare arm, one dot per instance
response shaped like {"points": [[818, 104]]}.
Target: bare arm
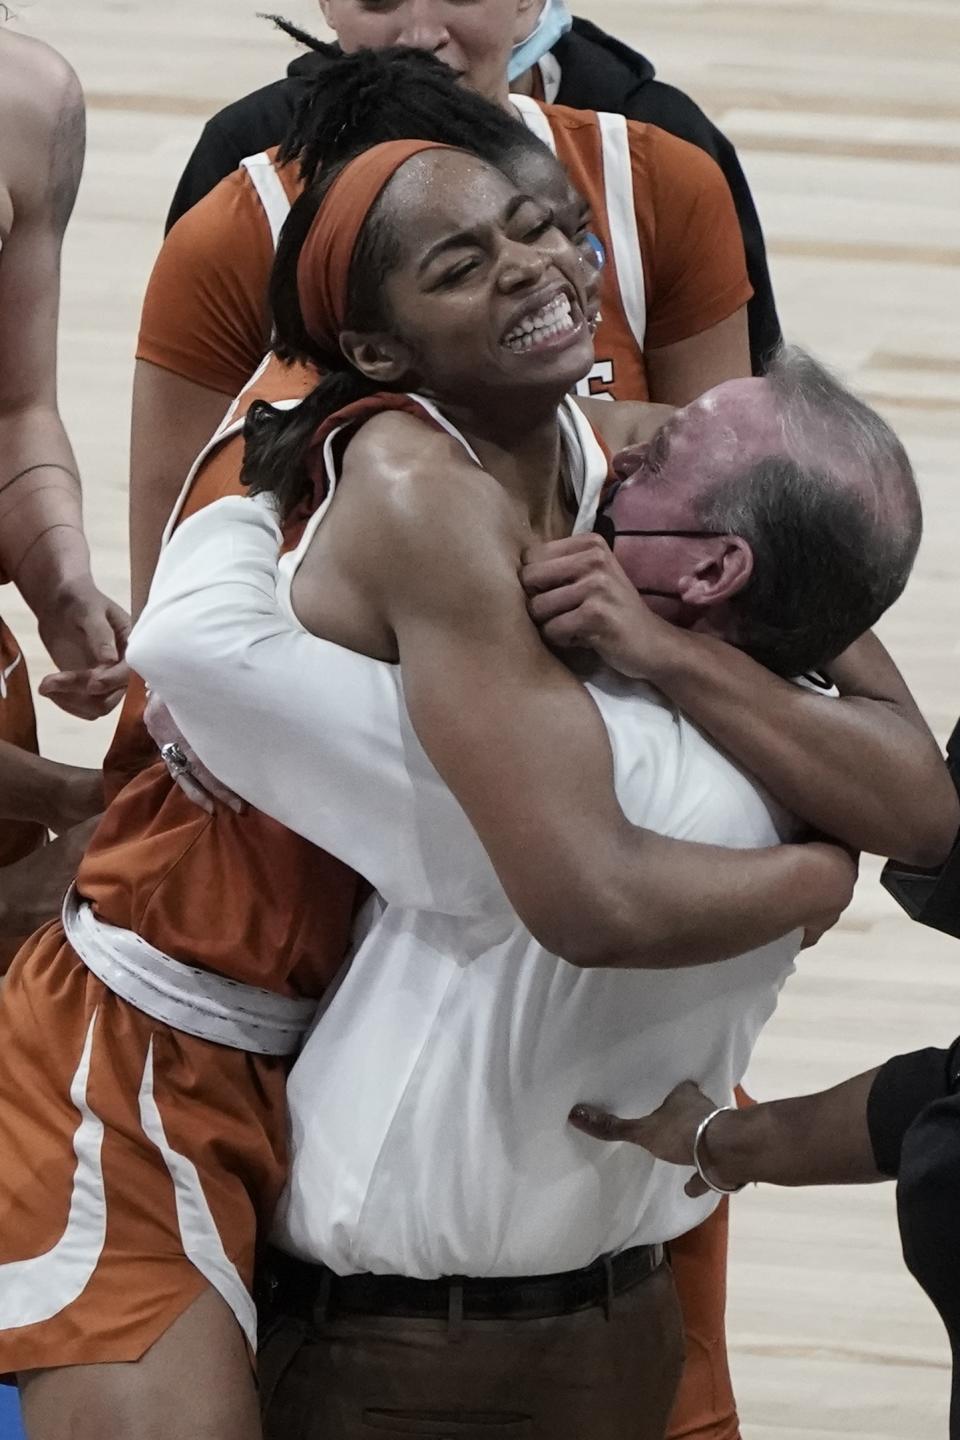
{"points": [[818, 1139], [42, 543], [173, 418], [697, 332], [216, 646], [54, 795], [625, 423], [679, 373], [821, 1139], [520, 742], [865, 768], [32, 889]]}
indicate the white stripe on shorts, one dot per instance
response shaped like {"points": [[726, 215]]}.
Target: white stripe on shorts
{"points": [[202, 1244], [35, 1290]]}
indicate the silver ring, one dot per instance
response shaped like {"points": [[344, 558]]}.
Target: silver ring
{"points": [[174, 758]]}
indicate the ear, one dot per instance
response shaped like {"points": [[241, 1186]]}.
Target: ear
{"points": [[382, 358], [719, 575]]}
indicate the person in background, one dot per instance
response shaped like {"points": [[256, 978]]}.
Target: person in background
{"points": [[43, 548], [900, 1121], [559, 58]]}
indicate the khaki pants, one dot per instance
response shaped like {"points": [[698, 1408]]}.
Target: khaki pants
{"points": [[585, 1376]]}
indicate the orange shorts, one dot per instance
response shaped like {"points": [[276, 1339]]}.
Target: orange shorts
{"points": [[705, 1408], [139, 1165]]}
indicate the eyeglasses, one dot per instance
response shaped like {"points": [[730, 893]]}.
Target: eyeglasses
{"points": [[594, 246], [604, 526]]}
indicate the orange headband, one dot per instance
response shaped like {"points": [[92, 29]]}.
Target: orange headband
{"points": [[323, 270]]}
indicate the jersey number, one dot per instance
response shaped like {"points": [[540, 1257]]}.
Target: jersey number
{"points": [[601, 374]]}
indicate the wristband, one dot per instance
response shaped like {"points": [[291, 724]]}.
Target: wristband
{"points": [[698, 1138]]}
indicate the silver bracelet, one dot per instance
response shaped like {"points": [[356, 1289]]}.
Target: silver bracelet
{"points": [[701, 1131]]}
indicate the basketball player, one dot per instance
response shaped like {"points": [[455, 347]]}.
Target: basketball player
{"points": [[43, 549]]}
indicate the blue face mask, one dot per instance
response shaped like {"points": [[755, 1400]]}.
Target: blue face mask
{"points": [[555, 20]]}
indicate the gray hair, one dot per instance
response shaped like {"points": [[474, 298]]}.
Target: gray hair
{"points": [[834, 522]]}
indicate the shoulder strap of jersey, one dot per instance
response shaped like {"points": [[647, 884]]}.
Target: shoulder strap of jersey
{"points": [[621, 203], [324, 462], [619, 197], [589, 462], [535, 118], [269, 187], [351, 417]]}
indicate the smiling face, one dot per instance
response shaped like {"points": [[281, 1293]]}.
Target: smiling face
{"points": [[535, 171], [473, 37], [488, 297], [665, 481]]}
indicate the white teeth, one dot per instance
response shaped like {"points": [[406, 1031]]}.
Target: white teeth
{"points": [[550, 320]]}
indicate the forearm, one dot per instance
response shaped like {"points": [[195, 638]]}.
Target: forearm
{"points": [[857, 768], [150, 507], [682, 904], [32, 889], [43, 548], [820, 1139], [28, 785], [56, 796]]}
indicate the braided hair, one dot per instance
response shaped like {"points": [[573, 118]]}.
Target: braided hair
{"points": [[361, 100], [398, 93]]}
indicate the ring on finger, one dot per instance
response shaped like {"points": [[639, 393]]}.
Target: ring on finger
{"points": [[173, 756]]}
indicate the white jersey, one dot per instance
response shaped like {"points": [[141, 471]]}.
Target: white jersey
{"points": [[429, 1105]]}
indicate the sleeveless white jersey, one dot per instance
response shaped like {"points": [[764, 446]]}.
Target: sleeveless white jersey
{"points": [[428, 1107]]}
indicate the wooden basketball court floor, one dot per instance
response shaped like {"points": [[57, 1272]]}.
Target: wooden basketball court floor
{"points": [[847, 117]]}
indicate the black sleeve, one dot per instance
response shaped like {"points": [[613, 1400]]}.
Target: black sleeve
{"points": [[257, 122], [657, 104], [904, 1087], [214, 157]]}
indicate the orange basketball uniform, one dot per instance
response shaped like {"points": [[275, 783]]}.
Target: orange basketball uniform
{"points": [[661, 207], [143, 1162]]}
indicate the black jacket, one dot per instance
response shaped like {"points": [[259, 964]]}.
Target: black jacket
{"points": [[914, 1119], [598, 73]]}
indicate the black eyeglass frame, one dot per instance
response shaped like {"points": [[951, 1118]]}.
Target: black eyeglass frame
{"points": [[604, 526]]}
